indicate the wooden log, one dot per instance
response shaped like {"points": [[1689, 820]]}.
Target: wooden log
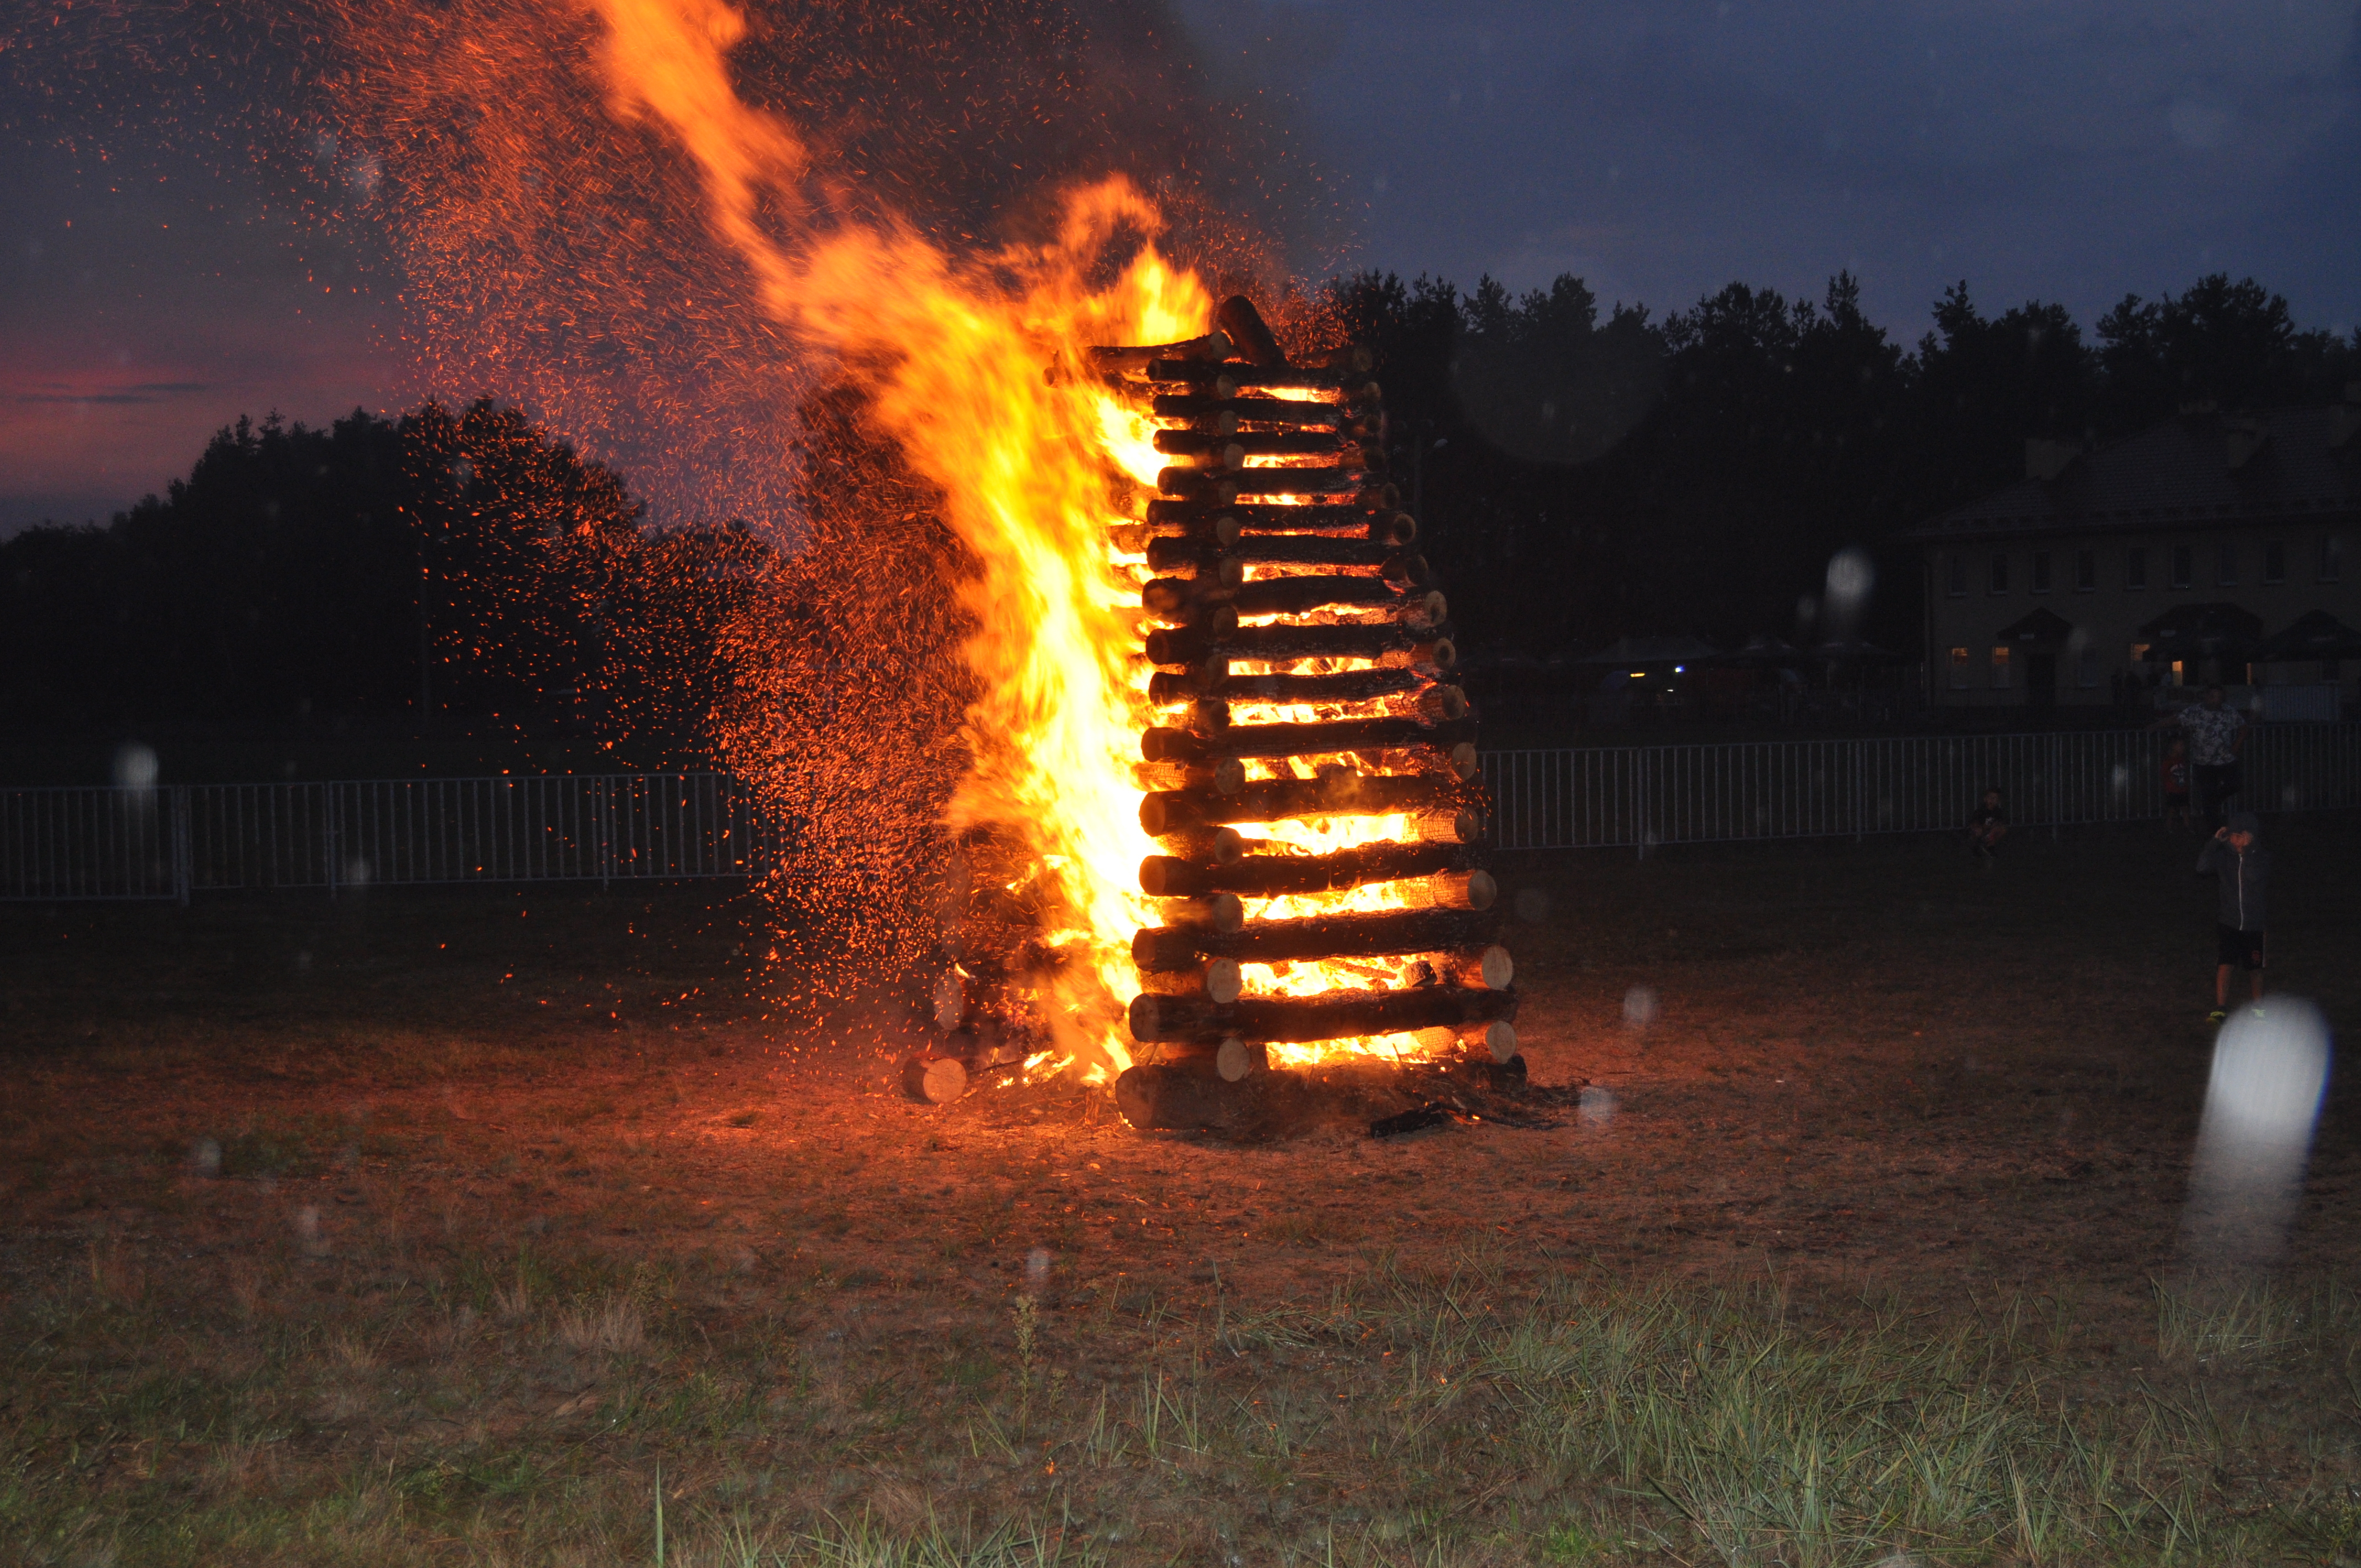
{"points": [[1210, 846], [1416, 645], [1251, 444], [1273, 876], [1497, 1039], [1321, 481], [1162, 744], [1217, 981], [1196, 485], [1457, 826], [936, 1080], [1199, 526], [1343, 794], [1211, 349], [1207, 622], [1299, 595], [1224, 380], [1489, 968], [1237, 318], [1452, 890], [1208, 917], [1266, 410], [1350, 686], [1354, 520], [1377, 933], [1184, 1097], [1202, 564], [1221, 776], [1333, 1015]]}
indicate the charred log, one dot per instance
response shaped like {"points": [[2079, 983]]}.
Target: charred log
{"points": [[1337, 1015], [1303, 740], [1273, 876], [1384, 933], [1344, 793]]}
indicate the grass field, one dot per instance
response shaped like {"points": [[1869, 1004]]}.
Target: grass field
{"points": [[523, 1228]]}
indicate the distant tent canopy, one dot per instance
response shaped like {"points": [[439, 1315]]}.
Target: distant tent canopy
{"points": [[1762, 651], [2215, 630], [1639, 652], [2044, 625], [2318, 635], [1840, 651]]}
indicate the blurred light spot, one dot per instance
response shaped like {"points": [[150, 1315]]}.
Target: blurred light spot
{"points": [[1851, 577], [1532, 905], [2262, 1102], [1640, 1008], [205, 1157], [356, 873], [1598, 1107], [135, 766], [1037, 1269], [2200, 128]]}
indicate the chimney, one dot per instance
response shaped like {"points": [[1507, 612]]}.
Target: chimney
{"points": [[2045, 460], [2241, 437]]}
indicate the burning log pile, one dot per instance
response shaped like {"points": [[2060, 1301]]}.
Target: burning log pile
{"points": [[1308, 770]]}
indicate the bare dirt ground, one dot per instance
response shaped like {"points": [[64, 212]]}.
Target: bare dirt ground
{"points": [[500, 1226]]}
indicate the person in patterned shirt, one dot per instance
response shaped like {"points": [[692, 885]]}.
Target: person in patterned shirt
{"points": [[2217, 740]]}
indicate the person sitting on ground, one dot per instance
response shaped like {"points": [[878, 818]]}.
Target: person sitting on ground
{"points": [[1987, 826], [2217, 739], [2175, 771], [2235, 855]]}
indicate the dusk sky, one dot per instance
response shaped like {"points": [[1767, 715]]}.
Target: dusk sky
{"points": [[2068, 151]]}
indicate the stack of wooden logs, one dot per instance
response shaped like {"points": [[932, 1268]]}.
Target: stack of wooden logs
{"points": [[1285, 572]]}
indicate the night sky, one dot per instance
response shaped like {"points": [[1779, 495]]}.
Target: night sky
{"points": [[2068, 151]]}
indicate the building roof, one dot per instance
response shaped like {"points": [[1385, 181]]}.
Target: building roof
{"points": [[2197, 469]]}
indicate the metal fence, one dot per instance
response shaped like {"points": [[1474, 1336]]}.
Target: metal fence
{"points": [[97, 843], [1640, 796], [164, 843]]}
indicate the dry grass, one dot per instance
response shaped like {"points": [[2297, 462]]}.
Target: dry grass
{"points": [[1862, 1256]]}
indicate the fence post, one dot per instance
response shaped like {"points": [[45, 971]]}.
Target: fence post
{"points": [[606, 830], [328, 833], [1640, 799], [178, 820]]}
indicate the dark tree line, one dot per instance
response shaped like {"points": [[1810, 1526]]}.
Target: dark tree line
{"points": [[1581, 474], [458, 567], [1586, 475]]}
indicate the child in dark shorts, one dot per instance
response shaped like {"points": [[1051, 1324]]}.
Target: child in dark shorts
{"points": [[1987, 826], [2175, 774], [2235, 856]]}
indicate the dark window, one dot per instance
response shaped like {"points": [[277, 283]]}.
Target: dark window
{"points": [[2041, 571], [2332, 559], [2086, 571], [2274, 562], [2226, 566], [1955, 581], [2135, 568], [1999, 573], [2184, 564]]}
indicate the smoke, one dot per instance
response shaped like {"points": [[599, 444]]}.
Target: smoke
{"points": [[2270, 1071]]}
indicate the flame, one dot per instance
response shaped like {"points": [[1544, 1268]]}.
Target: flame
{"points": [[966, 363]]}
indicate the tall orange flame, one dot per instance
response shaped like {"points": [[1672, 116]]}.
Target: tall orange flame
{"points": [[954, 355]]}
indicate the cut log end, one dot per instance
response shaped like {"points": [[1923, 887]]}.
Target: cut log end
{"points": [[936, 1081], [1497, 1039]]}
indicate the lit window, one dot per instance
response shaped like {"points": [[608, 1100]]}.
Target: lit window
{"points": [[2040, 571], [2086, 571], [1999, 573], [1959, 674], [2226, 566], [2000, 666], [2135, 568], [2275, 561], [1955, 579], [2184, 566], [2086, 669]]}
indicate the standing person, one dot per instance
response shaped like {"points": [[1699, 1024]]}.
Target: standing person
{"points": [[2235, 856], [2175, 773], [1987, 826], [2217, 740]]}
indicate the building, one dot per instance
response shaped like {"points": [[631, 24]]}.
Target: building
{"points": [[2177, 557]]}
